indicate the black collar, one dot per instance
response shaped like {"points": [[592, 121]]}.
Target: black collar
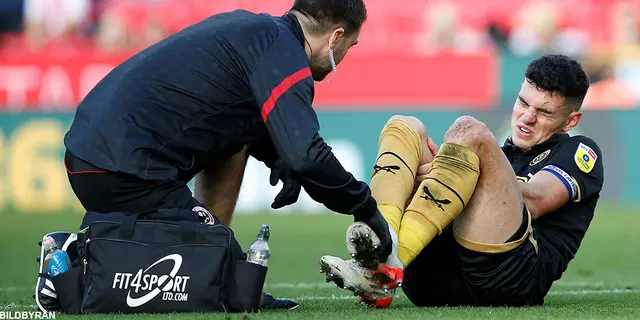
{"points": [[537, 148]]}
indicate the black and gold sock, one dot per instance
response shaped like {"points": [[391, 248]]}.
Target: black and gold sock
{"points": [[393, 176], [439, 199]]}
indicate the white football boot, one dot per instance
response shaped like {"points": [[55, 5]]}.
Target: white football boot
{"points": [[362, 244], [350, 275]]}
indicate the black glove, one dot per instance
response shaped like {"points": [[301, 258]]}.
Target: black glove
{"points": [[290, 189], [380, 226]]}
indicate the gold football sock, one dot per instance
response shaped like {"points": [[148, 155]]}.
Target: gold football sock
{"points": [[439, 199], [393, 176]]}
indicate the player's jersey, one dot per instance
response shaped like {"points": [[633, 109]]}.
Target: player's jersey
{"points": [[577, 162], [201, 95]]}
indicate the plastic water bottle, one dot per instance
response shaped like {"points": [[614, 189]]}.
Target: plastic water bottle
{"points": [[259, 251], [56, 261]]}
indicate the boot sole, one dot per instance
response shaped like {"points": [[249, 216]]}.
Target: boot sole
{"points": [[363, 244]]}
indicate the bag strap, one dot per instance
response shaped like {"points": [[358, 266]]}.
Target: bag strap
{"points": [[127, 225], [189, 232]]}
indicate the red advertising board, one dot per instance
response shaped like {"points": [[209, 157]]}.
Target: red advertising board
{"points": [[41, 80], [465, 81]]}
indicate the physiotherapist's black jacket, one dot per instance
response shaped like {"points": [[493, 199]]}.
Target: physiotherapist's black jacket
{"points": [[201, 95]]}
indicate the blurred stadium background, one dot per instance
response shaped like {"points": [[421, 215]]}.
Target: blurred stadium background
{"points": [[436, 59]]}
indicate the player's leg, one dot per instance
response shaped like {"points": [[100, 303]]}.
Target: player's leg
{"points": [[499, 252], [434, 277], [495, 211], [492, 223], [402, 147], [493, 257], [218, 187], [440, 198], [491, 216]]}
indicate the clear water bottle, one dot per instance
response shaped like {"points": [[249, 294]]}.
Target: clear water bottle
{"points": [[259, 251], [56, 261]]}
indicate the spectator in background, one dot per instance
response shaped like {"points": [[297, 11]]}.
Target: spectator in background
{"points": [[615, 63], [115, 25], [127, 25], [444, 30], [537, 30], [607, 91], [46, 20], [625, 44]]}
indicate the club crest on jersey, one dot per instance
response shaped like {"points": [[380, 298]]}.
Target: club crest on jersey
{"points": [[539, 158], [585, 158]]}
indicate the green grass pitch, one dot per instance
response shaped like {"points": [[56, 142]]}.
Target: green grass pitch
{"points": [[602, 282]]}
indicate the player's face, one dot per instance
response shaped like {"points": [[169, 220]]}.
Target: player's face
{"points": [[340, 43], [538, 115]]}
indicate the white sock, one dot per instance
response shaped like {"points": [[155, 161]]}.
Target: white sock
{"points": [[393, 260]]}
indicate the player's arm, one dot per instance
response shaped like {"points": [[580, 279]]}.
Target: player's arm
{"points": [[283, 88], [574, 172], [544, 193]]}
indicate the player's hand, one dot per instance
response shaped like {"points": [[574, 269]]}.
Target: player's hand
{"points": [[380, 226], [433, 147], [423, 172], [290, 189], [425, 168]]}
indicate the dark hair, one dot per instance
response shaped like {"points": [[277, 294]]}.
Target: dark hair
{"points": [[351, 13], [559, 74]]}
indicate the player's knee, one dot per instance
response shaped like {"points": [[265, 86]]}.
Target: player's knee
{"points": [[469, 132], [415, 124]]}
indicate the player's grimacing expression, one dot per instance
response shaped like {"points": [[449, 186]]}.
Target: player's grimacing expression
{"points": [[339, 42], [538, 115]]}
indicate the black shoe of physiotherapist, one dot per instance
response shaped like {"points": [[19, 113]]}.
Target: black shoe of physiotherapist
{"points": [[271, 303]]}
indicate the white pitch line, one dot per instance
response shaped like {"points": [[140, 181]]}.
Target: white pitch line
{"points": [[14, 289], [569, 293], [332, 297], [579, 284], [17, 306], [591, 292], [315, 285], [351, 297], [275, 285], [318, 285], [561, 284], [301, 285]]}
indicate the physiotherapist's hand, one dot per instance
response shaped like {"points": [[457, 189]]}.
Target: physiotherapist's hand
{"points": [[290, 189], [381, 228]]}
